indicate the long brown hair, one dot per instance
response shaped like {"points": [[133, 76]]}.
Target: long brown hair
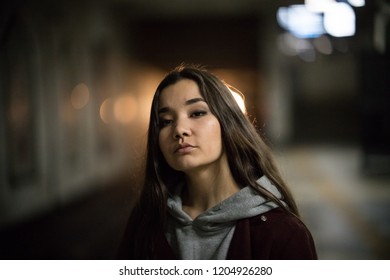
{"points": [[248, 155]]}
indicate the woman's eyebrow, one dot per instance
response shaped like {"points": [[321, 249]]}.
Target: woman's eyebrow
{"points": [[187, 102], [193, 100], [163, 110]]}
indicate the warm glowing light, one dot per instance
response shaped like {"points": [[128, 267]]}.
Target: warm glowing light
{"points": [[106, 110], [79, 96], [339, 20], [239, 97], [125, 109]]}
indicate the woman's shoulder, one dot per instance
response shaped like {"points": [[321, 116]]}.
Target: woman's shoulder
{"points": [[284, 234], [277, 217]]}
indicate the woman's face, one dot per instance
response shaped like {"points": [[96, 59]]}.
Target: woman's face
{"points": [[190, 135]]}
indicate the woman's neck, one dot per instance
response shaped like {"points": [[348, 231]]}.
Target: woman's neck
{"points": [[206, 188]]}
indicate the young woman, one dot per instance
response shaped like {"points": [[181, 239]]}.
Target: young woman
{"points": [[211, 188]]}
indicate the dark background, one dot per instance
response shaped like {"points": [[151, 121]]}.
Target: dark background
{"points": [[76, 81]]}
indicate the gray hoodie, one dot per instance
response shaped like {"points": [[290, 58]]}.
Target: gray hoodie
{"points": [[208, 236]]}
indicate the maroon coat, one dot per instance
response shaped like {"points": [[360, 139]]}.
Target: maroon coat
{"points": [[275, 235]]}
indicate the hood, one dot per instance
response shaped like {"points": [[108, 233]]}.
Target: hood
{"points": [[245, 203]]}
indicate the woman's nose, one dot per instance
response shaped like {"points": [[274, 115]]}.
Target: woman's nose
{"points": [[181, 130]]}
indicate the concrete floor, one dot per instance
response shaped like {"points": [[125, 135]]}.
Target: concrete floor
{"points": [[347, 211]]}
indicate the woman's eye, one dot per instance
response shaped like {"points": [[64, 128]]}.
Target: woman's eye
{"points": [[198, 114], [165, 122]]}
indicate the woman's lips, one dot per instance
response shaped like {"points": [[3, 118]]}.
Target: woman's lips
{"points": [[184, 149]]}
